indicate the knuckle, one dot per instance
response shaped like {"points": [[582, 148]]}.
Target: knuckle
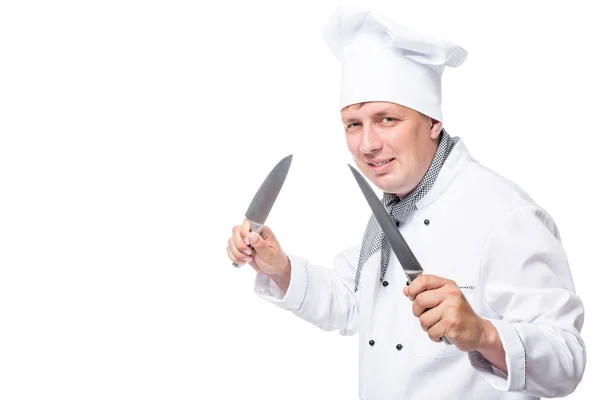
{"points": [[419, 300], [239, 241], [415, 288], [432, 335], [423, 324], [450, 307], [451, 325], [458, 300], [231, 256], [451, 319]]}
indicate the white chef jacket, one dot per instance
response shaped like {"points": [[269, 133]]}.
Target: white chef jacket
{"points": [[504, 251]]}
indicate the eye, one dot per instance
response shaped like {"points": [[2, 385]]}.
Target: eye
{"points": [[352, 125], [388, 119]]}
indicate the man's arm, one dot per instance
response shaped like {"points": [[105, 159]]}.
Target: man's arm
{"points": [[322, 296], [534, 311]]}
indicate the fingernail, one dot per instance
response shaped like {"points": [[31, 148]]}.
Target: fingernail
{"points": [[249, 252], [247, 241]]}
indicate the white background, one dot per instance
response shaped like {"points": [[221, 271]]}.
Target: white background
{"points": [[133, 134]]}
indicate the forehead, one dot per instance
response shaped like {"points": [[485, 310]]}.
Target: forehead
{"points": [[371, 108]]}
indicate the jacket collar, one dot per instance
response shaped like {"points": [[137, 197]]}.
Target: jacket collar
{"points": [[455, 162]]}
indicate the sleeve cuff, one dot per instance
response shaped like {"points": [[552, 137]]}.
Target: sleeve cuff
{"points": [[293, 299], [516, 359]]}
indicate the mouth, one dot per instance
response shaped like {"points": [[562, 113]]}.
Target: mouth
{"points": [[379, 163], [381, 166]]}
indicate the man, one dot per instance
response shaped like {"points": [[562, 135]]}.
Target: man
{"points": [[497, 280]]}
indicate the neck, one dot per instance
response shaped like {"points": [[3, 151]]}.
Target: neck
{"points": [[429, 161]]}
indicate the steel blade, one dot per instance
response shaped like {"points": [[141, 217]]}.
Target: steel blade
{"points": [[411, 266], [267, 193]]}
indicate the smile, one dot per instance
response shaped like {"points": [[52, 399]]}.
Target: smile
{"points": [[380, 163]]}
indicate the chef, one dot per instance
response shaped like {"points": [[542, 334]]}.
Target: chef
{"points": [[497, 281]]}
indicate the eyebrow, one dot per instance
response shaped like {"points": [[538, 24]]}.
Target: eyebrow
{"points": [[382, 113], [378, 114]]}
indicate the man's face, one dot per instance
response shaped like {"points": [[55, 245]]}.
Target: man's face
{"points": [[391, 144]]}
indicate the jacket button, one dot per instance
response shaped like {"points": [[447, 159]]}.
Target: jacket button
{"points": [[385, 283], [407, 283], [397, 223], [426, 222], [371, 342], [398, 347]]}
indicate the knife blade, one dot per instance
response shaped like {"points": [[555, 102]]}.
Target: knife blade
{"points": [[411, 266], [265, 196]]}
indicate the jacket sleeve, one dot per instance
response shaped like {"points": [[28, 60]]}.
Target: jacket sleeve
{"points": [[322, 296], [528, 289]]}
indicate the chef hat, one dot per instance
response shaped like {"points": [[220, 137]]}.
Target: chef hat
{"points": [[382, 60]]}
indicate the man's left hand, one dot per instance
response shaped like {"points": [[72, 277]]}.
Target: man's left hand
{"points": [[443, 310]]}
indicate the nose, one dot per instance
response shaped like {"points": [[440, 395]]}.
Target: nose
{"points": [[370, 141]]}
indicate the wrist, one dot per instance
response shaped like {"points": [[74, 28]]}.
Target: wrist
{"points": [[489, 336], [491, 347], [283, 277]]}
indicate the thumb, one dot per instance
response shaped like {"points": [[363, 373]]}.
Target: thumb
{"points": [[262, 242], [257, 241]]}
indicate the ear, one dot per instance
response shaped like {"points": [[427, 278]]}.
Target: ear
{"points": [[435, 129]]}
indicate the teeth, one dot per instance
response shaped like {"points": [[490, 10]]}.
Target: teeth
{"points": [[381, 163]]}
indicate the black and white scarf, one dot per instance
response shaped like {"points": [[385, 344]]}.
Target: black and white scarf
{"points": [[374, 238]]}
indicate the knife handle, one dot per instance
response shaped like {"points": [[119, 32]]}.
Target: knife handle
{"points": [[447, 341], [254, 227], [444, 338]]}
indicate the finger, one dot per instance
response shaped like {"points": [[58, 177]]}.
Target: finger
{"points": [[234, 258], [436, 331], [425, 282], [265, 244], [244, 230], [238, 242], [258, 241], [245, 224], [238, 254], [431, 317], [426, 300]]}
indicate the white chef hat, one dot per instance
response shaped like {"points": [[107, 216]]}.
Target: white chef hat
{"points": [[382, 60]]}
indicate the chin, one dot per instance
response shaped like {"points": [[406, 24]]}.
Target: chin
{"points": [[383, 182], [388, 182]]}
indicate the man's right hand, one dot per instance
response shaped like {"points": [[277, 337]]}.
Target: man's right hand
{"points": [[262, 252]]}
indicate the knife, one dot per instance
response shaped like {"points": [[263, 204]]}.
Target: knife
{"points": [[265, 197], [411, 266]]}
